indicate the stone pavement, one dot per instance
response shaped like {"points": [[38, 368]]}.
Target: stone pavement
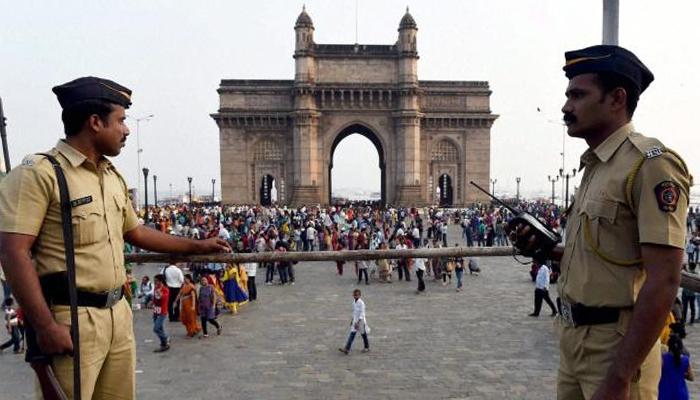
{"points": [[476, 344]]}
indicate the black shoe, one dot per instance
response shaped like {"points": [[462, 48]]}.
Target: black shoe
{"points": [[554, 314], [533, 315], [162, 349]]}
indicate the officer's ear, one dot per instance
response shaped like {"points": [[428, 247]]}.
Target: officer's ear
{"points": [[96, 123], [618, 99]]}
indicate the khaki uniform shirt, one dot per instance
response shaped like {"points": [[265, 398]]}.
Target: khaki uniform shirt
{"points": [[617, 228], [102, 213]]}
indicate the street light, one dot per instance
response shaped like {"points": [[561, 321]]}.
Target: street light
{"points": [[213, 181], [567, 176], [155, 191], [139, 150], [517, 192], [563, 140], [493, 187], [3, 135], [145, 191], [189, 181], [552, 180]]}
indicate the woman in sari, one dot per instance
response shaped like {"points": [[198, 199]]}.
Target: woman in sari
{"points": [[188, 306], [234, 295]]}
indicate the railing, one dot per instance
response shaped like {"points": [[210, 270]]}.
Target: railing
{"points": [[688, 281]]}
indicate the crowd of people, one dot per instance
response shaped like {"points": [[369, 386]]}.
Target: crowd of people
{"points": [[196, 294]]}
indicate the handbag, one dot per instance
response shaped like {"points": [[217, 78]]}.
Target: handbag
{"points": [[450, 266]]}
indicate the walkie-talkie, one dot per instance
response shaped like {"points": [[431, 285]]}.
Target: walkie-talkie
{"points": [[547, 239]]}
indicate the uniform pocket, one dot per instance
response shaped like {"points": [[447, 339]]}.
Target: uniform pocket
{"points": [[599, 213], [88, 224]]}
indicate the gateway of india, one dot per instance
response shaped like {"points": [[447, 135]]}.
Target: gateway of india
{"points": [[432, 137]]}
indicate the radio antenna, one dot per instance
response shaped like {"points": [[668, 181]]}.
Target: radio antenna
{"points": [[511, 209]]}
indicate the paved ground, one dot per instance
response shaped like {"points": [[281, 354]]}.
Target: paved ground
{"points": [[477, 344]]}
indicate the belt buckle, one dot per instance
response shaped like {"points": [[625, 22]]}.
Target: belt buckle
{"points": [[566, 314], [113, 296]]}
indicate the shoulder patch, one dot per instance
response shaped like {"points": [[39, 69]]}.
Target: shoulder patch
{"points": [[653, 152], [667, 195], [31, 159]]}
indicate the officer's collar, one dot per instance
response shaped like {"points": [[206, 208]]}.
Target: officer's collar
{"points": [[76, 158], [605, 150]]}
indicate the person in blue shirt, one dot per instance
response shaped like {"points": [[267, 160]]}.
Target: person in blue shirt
{"points": [[676, 368]]}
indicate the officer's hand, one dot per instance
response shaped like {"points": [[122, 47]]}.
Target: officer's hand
{"points": [[523, 238], [55, 340], [213, 245], [612, 389]]}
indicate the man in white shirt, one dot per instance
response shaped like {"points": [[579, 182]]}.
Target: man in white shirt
{"points": [[173, 280], [358, 324], [311, 237], [420, 270], [251, 269], [542, 291]]}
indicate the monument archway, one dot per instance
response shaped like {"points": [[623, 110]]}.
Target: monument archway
{"points": [[362, 130], [288, 128]]}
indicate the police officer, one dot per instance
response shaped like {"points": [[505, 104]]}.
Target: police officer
{"points": [[620, 265], [32, 246]]}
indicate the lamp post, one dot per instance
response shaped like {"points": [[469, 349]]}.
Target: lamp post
{"points": [[493, 187], [213, 181], [563, 139], [155, 191], [171, 191], [145, 192], [517, 191], [3, 136], [567, 176], [139, 150], [552, 180], [189, 181]]}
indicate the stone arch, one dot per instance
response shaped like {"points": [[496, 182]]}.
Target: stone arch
{"points": [[369, 133], [446, 159]]}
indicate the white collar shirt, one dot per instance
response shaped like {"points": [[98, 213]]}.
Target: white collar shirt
{"points": [[173, 276], [542, 280]]}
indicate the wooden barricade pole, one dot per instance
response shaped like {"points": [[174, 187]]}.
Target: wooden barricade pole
{"points": [[688, 281]]}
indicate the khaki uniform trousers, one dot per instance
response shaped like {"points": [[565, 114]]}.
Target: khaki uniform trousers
{"points": [[586, 353], [107, 351]]}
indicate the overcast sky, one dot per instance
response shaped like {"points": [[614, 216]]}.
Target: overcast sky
{"points": [[173, 54]]}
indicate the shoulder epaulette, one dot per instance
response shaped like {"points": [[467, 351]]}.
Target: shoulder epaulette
{"points": [[650, 147]]}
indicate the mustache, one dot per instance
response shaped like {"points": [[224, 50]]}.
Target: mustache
{"points": [[569, 117]]}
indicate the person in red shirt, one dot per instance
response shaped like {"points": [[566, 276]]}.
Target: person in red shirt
{"points": [[160, 312]]}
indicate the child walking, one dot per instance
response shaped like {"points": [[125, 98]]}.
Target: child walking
{"points": [[160, 312]]}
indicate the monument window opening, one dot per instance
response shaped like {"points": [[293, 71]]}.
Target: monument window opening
{"points": [[356, 168], [268, 190], [444, 190]]}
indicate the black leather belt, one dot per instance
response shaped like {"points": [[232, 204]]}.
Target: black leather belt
{"points": [[581, 315], [89, 299], [55, 289]]}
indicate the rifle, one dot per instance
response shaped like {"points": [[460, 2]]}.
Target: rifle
{"points": [[41, 364]]}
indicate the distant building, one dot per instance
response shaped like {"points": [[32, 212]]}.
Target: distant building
{"points": [[281, 134]]}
